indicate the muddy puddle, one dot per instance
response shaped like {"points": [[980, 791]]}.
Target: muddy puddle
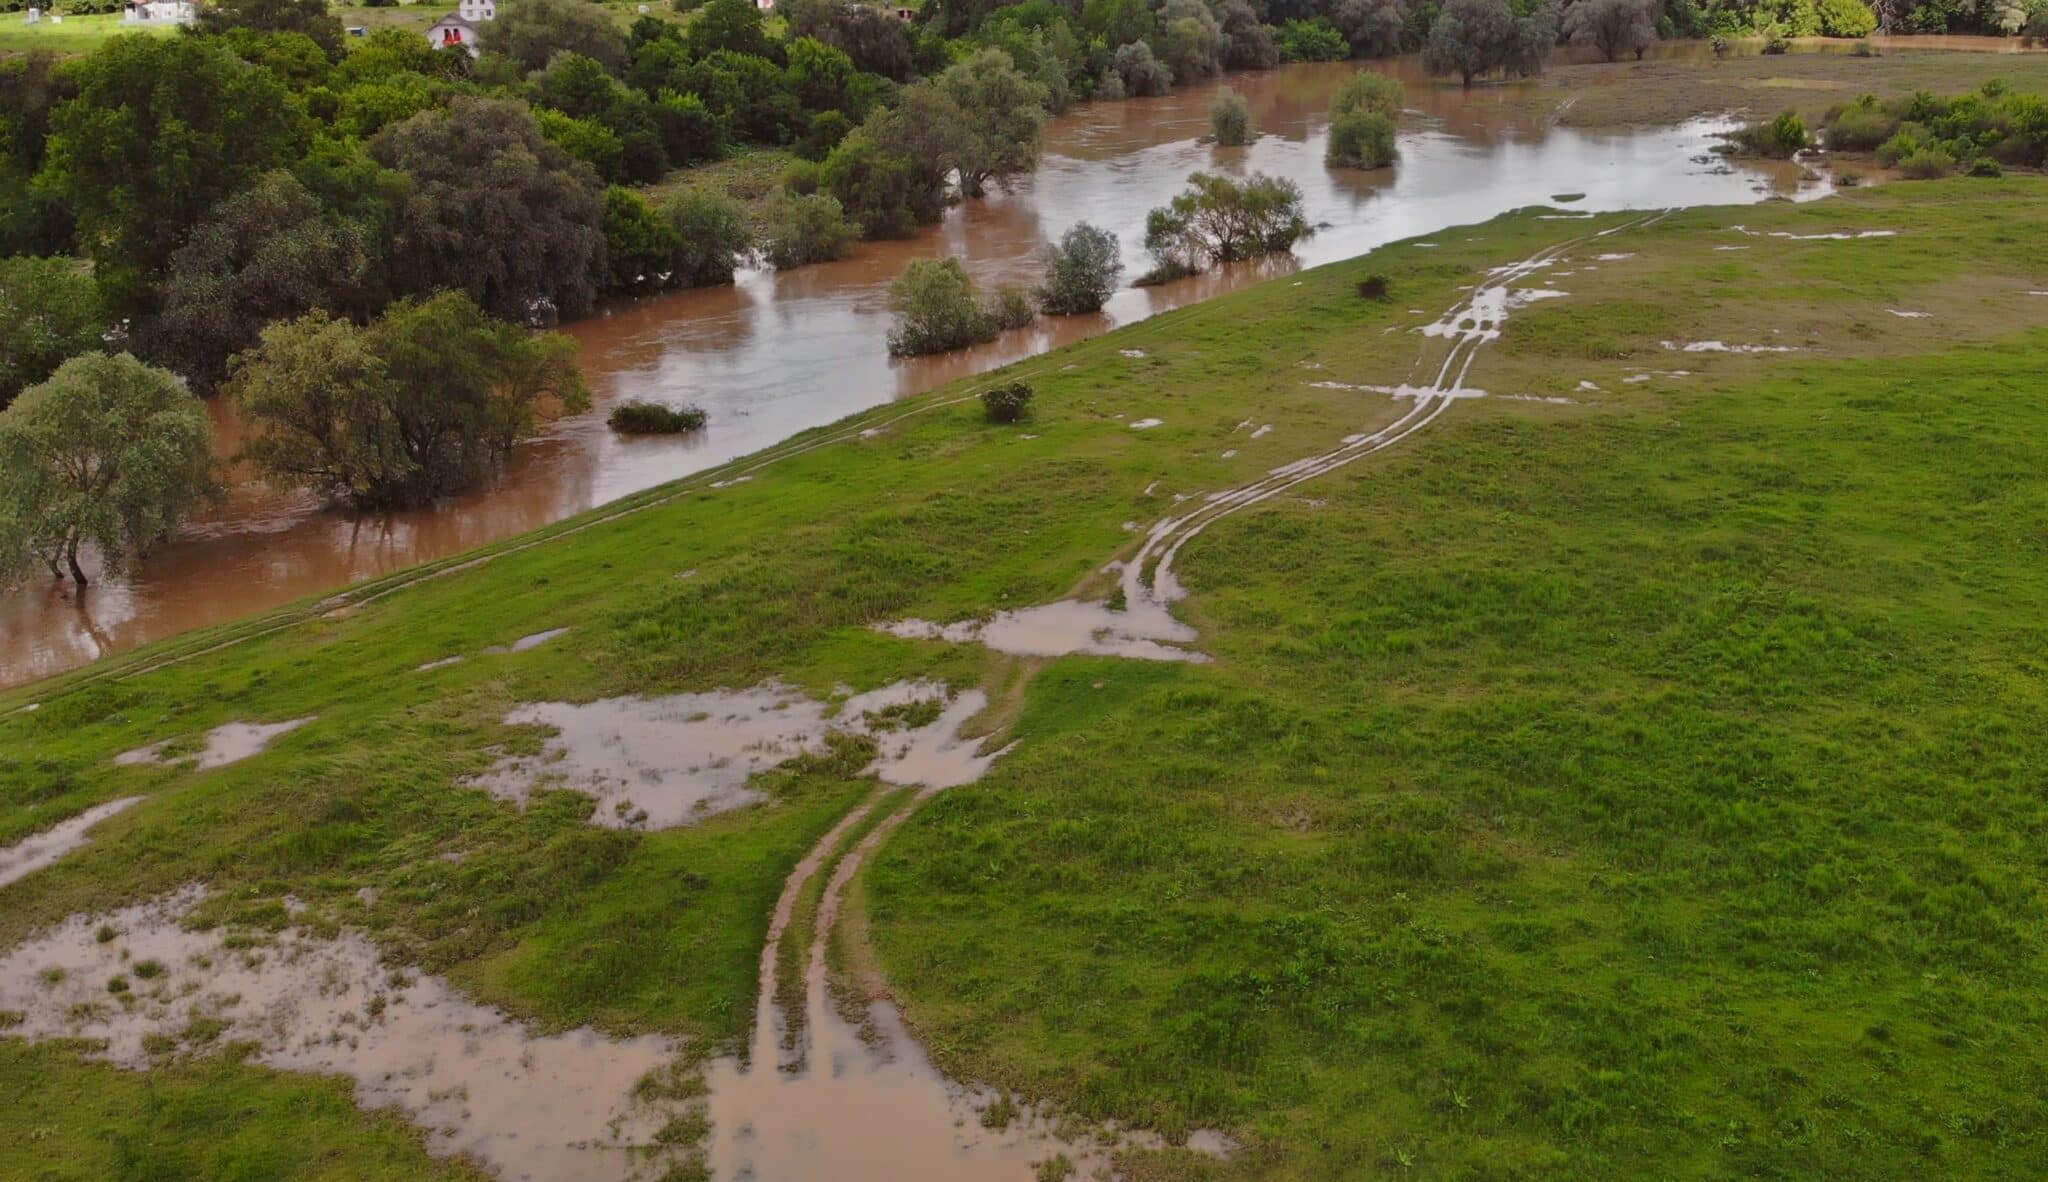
{"points": [[656, 763], [781, 352], [549, 1108], [224, 745], [36, 851]]}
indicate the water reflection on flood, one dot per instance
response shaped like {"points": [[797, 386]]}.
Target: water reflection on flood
{"points": [[780, 352]]}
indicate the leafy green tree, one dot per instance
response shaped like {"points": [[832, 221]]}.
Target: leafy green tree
{"points": [[1002, 120], [109, 453], [640, 245], [495, 210], [390, 51], [823, 79], [1222, 220], [309, 17], [1141, 73], [1190, 40], [690, 133], [800, 229], [1361, 139], [1247, 43], [1615, 27], [49, 311], [1476, 37], [427, 401], [732, 25], [713, 234], [876, 187], [588, 141], [1372, 28], [877, 42], [936, 309], [826, 130], [531, 32], [1369, 93], [161, 129], [369, 107], [1081, 271], [1311, 41], [1230, 118], [748, 93], [267, 253]]}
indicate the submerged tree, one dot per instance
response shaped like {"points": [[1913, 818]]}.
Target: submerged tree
{"points": [[936, 309], [1230, 118], [1002, 118], [429, 400], [1081, 271], [1222, 220], [108, 452]]}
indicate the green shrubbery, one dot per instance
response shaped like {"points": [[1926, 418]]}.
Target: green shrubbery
{"points": [[1780, 138], [639, 417], [1918, 132], [1007, 403], [1230, 118], [937, 308]]}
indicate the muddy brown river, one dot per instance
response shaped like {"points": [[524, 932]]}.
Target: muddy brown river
{"points": [[780, 352]]}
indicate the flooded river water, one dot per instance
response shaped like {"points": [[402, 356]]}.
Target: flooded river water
{"points": [[780, 352]]}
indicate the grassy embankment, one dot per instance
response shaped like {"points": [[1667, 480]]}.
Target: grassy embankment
{"points": [[1663, 92], [1645, 785]]}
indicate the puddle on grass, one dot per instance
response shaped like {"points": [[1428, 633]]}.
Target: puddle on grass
{"points": [[226, 744], [36, 851], [656, 763], [1724, 347], [527, 643], [549, 1108]]}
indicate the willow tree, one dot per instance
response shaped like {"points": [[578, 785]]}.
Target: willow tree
{"points": [[108, 452]]}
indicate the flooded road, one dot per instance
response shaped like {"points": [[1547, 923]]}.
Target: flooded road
{"points": [[781, 352]]}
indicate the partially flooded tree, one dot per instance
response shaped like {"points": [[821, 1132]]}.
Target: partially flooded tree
{"points": [[49, 311], [1362, 121], [936, 309], [1141, 73], [1081, 271], [1002, 119], [800, 229], [109, 452], [1230, 118], [1614, 27], [427, 401], [1473, 38], [1222, 220], [712, 236]]}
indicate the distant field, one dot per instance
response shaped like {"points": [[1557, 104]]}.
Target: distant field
{"points": [[71, 34], [1635, 774]]}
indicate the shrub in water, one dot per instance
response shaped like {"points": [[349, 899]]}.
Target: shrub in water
{"points": [[1081, 271], [1861, 126], [1006, 403], [652, 418], [1230, 117], [936, 309], [1361, 139], [805, 228], [1780, 138], [1010, 307]]}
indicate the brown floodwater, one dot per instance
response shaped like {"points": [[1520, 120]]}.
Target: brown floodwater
{"points": [[780, 352]]}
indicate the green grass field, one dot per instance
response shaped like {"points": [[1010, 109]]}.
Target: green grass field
{"points": [[72, 34], [1641, 785]]}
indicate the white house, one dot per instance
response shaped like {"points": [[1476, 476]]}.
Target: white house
{"points": [[160, 12], [453, 32], [478, 11]]}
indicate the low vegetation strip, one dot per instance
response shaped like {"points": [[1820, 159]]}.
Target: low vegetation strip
{"points": [[1634, 779]]}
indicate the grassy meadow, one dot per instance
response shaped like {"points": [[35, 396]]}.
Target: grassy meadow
{"points": [[1640, 781]]}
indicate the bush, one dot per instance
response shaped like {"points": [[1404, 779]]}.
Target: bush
{"points": [[1142, 74], [1846, 18], [714, 234], [1864, 49], [1985, 166], [1010, 307], [1361, 139], [1374, 287], [1927, 164], [1371, 93], [801, 229], [1860, 127], [1780, 138], [1222, 220], [1007, 403], [1314, 40], [936, 309], [1081, 270], [652, 418], [1907, 140], [826, 130], [1230, 117]]}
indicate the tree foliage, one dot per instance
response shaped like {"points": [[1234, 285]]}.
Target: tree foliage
{"points": [[494, 210], [936, 309], [1472, 38], [49, 312], [530, 32], [1222, 220], [712, 234], [1614, 27], [800, 229], [1373, 28], [107, 452], [1230, 118], [1001, 120], [267, 253], [427, 401], [1081, 271], [309, 18], [161, 128]]}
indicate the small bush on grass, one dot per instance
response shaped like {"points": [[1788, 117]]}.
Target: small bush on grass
{"points": [[1373, 287], [652, 418], [1985, 166], [1927, 164], [1006, 403]]}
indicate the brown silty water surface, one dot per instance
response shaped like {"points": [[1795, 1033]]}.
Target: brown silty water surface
{"points": [[780, 352]]}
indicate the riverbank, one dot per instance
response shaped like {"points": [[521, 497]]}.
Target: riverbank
{"points": [[1628, 771]]}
